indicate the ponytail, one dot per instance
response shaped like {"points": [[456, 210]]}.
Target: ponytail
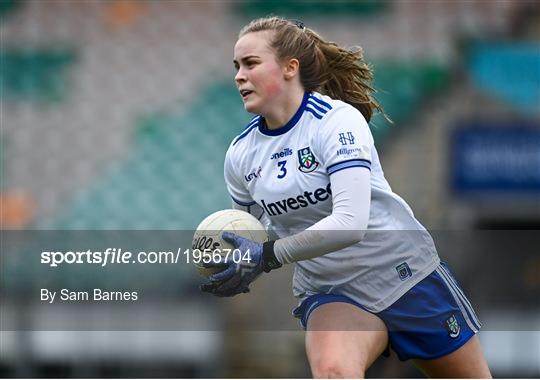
{"points": [[325, 67]]}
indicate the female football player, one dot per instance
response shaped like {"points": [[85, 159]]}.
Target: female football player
{"points": [[367, 274]]}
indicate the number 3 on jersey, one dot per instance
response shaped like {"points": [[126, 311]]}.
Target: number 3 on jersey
{"points": [[282, 169]]}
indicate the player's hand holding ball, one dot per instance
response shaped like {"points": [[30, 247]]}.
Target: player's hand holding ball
{"points": [[238, 274], [235, 275], [231, 272]]}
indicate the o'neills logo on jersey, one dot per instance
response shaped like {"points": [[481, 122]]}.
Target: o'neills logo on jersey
{"points": [[295, 203], [284, 153]]}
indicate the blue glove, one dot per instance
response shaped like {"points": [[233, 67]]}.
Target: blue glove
{"points": [[217, 289], [238, 274]]}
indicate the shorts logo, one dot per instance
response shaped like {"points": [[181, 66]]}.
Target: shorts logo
{"points": [[452, 326], [307, 160], [404, 271]]}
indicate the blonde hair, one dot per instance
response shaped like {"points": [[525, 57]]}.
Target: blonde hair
{"points": [[325, 67]]}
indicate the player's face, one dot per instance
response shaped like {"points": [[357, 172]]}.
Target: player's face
{"points": [[259, 76]]}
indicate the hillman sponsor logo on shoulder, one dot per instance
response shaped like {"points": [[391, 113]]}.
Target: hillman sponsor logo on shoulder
{"points": [[294, 203], [349, 151]]}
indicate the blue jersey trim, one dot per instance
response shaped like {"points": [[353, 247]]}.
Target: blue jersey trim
{"points": [[251, 126], [348, 164], [290, 124], [312, 111], [317, 107], [254, 119], [321, 102], [243, 203], [252, 122]]}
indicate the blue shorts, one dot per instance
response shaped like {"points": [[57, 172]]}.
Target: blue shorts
{"points": [[431, 320]]}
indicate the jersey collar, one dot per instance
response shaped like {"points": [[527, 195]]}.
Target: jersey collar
{"points": [[290, 124]]}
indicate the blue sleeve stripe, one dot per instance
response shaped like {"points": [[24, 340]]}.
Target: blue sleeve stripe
{"points": [[314, 112], [317, 107], [335, 170], [348, 164], [348, 167], [351, 160], [243, 203], [321, 102]]}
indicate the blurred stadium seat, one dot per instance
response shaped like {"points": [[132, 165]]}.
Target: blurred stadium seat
{"points": [[509, 71], [401, 90], [35, 75], [171, 180], [316, 8]]}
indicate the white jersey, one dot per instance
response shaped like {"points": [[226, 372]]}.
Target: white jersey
{"points": [[287, 173]]}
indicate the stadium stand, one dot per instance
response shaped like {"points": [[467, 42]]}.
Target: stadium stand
{"points": [[172, 165], [37, 75], [509, 71], [259, 8]]}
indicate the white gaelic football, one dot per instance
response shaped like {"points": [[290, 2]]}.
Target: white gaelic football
{"points": [[208, 239]]}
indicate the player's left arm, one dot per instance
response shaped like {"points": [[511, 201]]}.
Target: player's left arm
{"points": [[351, 197], [343, 145]]}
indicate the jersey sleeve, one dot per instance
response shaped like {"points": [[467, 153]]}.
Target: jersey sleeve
{"points": [[351, 197], [345, 141], [235, 186]]}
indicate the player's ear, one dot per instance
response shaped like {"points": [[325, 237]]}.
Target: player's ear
{"points": [[291, 68]]}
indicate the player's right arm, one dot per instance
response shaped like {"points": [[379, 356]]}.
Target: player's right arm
{"points": [[241, 198]]}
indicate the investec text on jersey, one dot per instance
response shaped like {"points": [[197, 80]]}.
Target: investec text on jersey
{"points": [[294, 203]]}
